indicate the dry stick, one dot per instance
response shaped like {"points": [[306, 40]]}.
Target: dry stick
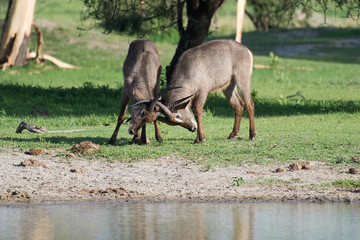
{"points": [[67, 131], [36, 129], [40, 42]]}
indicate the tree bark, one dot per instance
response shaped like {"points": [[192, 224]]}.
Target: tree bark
{"points": [[240, 19], [199, 15], [16, 33]]}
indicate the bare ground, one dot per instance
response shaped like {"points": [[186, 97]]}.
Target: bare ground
{"points": [[51, 178]]}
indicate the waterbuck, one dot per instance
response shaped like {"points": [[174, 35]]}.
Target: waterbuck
{"points": [[216, 65], [141, 69]]}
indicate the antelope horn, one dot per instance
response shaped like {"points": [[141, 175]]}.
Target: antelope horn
{"points": [[128, 120], [178, 101], [142, 101], [165, 110], [158, 97]]}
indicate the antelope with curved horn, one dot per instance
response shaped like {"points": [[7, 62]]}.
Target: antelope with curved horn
{"points": [[141, 69], [216, 65], [154, 110]]}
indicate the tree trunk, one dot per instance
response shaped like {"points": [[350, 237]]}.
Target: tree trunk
{"points": [[16, 33], [199, 15], [240, 19]]}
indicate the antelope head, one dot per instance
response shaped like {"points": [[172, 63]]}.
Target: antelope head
{"points": [[178, 113], [146, 110]]}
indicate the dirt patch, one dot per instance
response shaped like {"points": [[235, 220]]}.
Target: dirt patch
{"points": [[290, 49], [165, 179], [15, 196]]}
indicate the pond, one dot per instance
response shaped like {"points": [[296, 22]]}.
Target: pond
{"points": [[196, 220]]}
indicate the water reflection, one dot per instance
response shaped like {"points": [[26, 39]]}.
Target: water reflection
{"points": [[181, 221]]}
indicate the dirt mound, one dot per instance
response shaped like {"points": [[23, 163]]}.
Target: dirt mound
{"points": [[85, 147], [36, 152], [32, 163], [300, 165]]}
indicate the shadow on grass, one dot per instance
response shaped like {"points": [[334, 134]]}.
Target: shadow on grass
{"points": [[19, 101], [121, 141], [318, 44], [70, 140], [283, 107]]}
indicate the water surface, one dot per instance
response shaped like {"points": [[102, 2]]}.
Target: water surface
{"points": [[181, 221]]}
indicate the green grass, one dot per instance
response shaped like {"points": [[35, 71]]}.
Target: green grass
{"points": [[274, 181], [347, 184], [343, 184], [307, 109]]}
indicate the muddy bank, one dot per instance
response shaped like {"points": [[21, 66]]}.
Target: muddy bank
{"points": [[50, 178]]}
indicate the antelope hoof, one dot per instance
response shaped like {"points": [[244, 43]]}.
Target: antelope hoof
{"points": [[252, 139], [233, 135], [111, 142], [159, 139], [198, 141], [135, 140], [146, 143]]}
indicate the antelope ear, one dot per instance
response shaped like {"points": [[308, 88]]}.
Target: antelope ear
{"points": [[137, 94], [181, 105]]}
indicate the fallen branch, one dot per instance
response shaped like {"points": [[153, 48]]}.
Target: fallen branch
{"points": [[259, 66], [57, 62], [38, 56], [36, 129]]}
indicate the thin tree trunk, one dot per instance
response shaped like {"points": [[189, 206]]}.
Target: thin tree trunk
{"points": [[16, 33], [199, 15], [240, 19]]}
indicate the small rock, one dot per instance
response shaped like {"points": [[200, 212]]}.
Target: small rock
{"points": [[32, 163], [36, 151], [279, 170], [354, 171], [70, 155], [77, 170]]}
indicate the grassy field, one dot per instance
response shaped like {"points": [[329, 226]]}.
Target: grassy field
{"points": [[307, 103]]}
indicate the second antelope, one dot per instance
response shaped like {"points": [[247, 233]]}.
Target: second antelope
{"points": [[142, 68], [217, 65]]}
